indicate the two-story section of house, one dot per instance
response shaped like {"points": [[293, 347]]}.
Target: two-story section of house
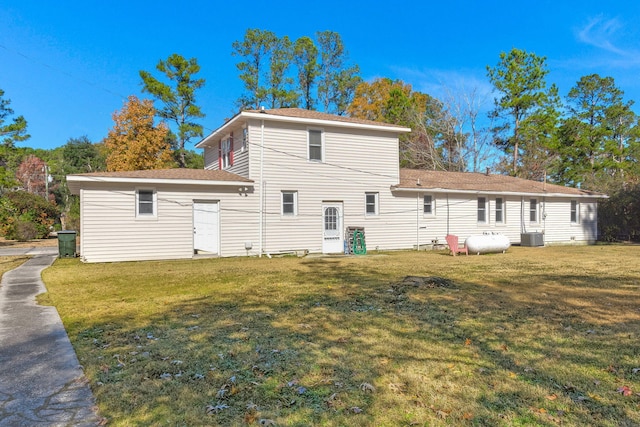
{"points": [[293, 180], [314, 175]]}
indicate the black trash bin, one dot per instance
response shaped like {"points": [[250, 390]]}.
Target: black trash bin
{"points": [[66, 244]]}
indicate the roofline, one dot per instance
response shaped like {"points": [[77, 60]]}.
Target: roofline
{"points": [[180, 181], [317, 122], [501, 193], [219, 130]]}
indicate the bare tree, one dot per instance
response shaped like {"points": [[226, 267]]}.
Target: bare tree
{"points": [[469, 136]]}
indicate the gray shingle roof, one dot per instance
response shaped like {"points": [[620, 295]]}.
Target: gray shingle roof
{"points": [[177, 173], [478, 182], [316, 115]]}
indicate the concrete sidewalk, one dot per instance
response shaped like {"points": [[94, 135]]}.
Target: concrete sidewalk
{"points": [[41, 382]]}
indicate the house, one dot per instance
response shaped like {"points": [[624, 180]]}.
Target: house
{"points": [[287, 180]]}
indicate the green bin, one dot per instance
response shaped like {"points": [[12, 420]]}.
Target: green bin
{"points": [[66, 244]]}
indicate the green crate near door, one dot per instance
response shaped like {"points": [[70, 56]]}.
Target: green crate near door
{"points": [[66, 244]]}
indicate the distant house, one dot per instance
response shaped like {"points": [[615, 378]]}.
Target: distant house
{"points": [[294, 180]]}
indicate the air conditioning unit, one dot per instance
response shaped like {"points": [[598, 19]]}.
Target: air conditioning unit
{"points": [[531, 239]]}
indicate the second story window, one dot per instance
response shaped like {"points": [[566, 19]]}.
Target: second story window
{"points": [[226, 152], [315, 145], [245, 139]]}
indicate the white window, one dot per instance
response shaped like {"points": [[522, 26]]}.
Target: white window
{"points": [[499, 210], [533, 210], [315, 145], [428, 205], [226, 149], [482, 209], [245, 139], [371, 203], [575, 212], [290, 203], [146, 203]]}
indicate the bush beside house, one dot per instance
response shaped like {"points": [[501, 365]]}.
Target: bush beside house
{"points": [[25, 216]]}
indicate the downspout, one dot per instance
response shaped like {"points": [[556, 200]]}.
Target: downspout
{"points": [[261, 229], [544, 215], [448, 214], [523, 228], [418, 222]]}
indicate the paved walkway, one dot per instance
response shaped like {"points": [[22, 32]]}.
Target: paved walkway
{"points": [[41, 382]]}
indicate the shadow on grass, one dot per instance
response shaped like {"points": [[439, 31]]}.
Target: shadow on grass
{"points": [[341, 343]]}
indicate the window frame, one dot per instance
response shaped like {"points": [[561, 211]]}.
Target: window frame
{"points": [[293, 203], [574, 216], [321, 145], [431, 204], [501, 210], [153, 202], [375, 203], [226, 147], [245, 139], [482, 210], [534, 211]]}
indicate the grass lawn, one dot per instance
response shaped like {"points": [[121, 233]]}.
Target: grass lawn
{"points": [[10, 262], [536, 336]]}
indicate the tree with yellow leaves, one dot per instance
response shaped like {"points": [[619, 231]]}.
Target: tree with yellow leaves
{"points": [[134, 142]]}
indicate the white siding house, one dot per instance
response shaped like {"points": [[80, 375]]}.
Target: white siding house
{"points": [[293, 180]]}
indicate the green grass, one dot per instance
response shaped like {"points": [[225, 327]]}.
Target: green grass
{"points": [[536, 336], [10, 262]]}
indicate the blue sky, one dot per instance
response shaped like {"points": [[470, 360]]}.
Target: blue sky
{"points": [[67, 66]]}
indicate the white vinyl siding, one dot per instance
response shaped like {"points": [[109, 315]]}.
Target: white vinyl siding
{"points": [[240, 164], [354, 161], [111, 232], [286, 166]]}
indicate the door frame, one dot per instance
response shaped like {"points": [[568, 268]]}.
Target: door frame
{"points": [[333, 248], [217, 225]]}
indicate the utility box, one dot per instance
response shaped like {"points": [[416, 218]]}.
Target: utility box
{"points": [[531, 239], [66, 244]]}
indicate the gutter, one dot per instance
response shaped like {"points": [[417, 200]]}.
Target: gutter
{"points": [[498, 193]]}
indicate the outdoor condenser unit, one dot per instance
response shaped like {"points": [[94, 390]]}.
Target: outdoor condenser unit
{"points": [[531, 239]]}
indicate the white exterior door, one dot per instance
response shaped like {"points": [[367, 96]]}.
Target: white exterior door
{"points": [[206, 227], [332, 237]]}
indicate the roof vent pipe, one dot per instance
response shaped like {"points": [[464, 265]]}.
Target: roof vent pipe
{"points": [[262, 110], [487, 172]]}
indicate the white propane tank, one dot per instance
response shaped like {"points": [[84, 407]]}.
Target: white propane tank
{"points": [[487, 243]]}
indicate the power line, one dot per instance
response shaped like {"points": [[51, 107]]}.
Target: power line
{"points": [[63, 72]]}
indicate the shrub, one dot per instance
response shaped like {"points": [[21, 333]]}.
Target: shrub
{"points": [[19, 208], [25, 230]]}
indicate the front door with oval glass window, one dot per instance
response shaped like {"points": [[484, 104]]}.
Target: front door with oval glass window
{"points": [[332, 238]]}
